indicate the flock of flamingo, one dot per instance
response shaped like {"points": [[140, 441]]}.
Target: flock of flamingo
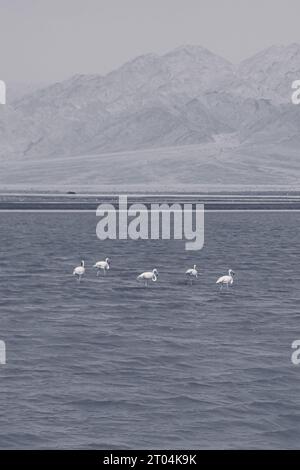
{"points": [[147, 276]]}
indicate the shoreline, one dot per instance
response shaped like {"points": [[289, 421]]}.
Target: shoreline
{"points": [[89, 202]]}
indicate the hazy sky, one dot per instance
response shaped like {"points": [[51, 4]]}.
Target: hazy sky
{"points": [[46, 40]]}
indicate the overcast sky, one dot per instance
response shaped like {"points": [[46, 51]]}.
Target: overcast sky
{"points": [[48, 40]]}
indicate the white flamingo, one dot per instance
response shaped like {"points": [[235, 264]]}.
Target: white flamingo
{"points": [[104, 265], [192, 273], [79, 271], [226, 280], [148, 276]]}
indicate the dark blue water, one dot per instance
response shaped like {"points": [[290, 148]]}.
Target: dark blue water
{"points": [[110, 364]]}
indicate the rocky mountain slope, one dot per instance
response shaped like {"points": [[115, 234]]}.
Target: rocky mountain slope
{"points": [[186, 97]]}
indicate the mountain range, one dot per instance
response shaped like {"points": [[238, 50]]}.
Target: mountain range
{"points": [[186, 99]]}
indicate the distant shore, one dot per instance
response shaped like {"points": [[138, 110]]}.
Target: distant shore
{"points": [[71, 201]]}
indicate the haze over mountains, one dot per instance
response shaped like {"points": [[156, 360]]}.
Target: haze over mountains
{"points": [[188, 97]]}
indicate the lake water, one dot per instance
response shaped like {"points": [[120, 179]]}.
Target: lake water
{"points": [[109, 364]]}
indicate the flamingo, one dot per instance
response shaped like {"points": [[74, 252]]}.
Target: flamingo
{"points": [[192, 273], [148, 276], [104, 265], [79, 271], [226, 280]]}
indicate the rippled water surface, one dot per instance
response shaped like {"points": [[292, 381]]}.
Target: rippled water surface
{"points": [[110, 364]]}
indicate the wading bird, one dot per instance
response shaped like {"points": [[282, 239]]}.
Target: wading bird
{"points": [[192, 274], [104, 265], [226, 280], [148, 276], [79, 271]]}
